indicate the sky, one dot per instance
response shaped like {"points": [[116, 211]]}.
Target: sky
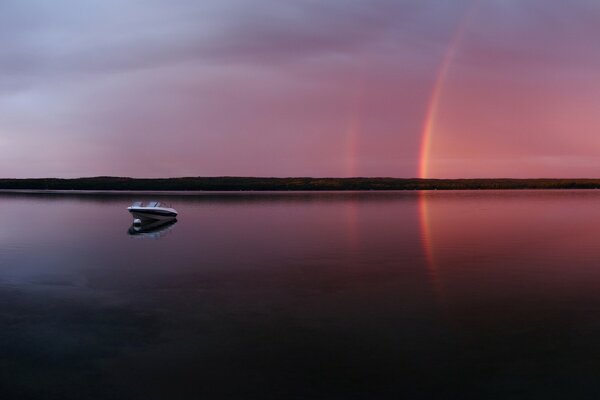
{"points": [[419, 88]]}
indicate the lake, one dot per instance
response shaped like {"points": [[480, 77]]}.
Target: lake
{"points": [[302, 295]]}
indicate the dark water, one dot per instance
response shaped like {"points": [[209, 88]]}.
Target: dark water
{"points": [[437, 295]]}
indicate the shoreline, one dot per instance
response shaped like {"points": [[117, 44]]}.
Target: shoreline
{"points": [[190, 185]]}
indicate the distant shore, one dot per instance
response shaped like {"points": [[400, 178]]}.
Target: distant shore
{"points": [[283, 184]]}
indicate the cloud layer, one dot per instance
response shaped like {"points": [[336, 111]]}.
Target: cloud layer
{"points": [[270, 88]]}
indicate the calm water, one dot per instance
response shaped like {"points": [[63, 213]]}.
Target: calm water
{"points": [[436, 295]]}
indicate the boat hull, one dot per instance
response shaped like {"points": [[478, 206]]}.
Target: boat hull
{"points": [[153, 215]]}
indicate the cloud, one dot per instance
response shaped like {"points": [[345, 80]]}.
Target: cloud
{"points": [[274, 87]]}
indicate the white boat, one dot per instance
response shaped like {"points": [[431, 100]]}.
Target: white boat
{"points": [[152, 211]]}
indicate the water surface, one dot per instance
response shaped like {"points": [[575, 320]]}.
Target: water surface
{"points": [[370, 295]]}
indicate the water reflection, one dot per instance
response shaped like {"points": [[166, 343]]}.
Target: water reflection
{"points": [[303, 295], [151, 230], [497, 259], [428, 245]]}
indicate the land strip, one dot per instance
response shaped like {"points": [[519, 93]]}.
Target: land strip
{"points": [[280, 184]]}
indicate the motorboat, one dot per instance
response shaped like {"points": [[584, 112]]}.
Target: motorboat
{"points": [[152, 211]]}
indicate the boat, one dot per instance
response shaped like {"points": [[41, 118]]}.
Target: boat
{"points": [[152, 211]]}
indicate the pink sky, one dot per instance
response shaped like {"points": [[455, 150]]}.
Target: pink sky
{"points": [[303, 88]]}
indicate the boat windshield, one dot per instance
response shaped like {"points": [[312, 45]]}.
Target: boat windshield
{"points": [[136, 204], [153, 204]]}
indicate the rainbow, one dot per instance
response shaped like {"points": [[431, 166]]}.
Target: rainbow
{"points": [[438, 87], [352, 134], [353, 131], [427, 238]]}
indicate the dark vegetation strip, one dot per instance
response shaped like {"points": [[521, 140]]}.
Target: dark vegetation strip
{"points": [[244, 183]]}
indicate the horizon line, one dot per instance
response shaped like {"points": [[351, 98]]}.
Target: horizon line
{"points": [[293, 177]]}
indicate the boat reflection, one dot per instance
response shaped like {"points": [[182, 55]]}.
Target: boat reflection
{"points": [[151, 230]]}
